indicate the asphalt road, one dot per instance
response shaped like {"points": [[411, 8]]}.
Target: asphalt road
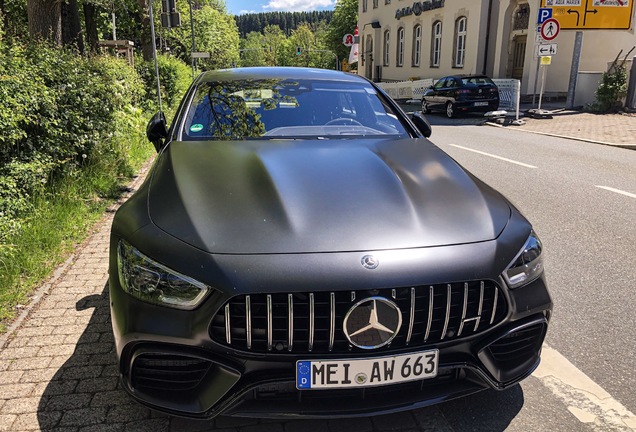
{"points": [[581, 199]]}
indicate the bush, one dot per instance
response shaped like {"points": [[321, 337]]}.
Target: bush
{"points": [[175, 78], [612, 90]]}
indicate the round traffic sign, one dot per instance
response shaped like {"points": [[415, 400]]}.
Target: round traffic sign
{"points": [[550, 29], [347, 40]]}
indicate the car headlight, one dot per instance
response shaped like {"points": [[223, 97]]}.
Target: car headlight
{"points": [[528, 265], [155, 283]]}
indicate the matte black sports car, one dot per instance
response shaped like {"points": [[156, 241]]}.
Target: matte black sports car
{"points": [[459, 94], [300, 248]]}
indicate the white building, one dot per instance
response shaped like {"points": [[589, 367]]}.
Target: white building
{"points": [[406, 39]]}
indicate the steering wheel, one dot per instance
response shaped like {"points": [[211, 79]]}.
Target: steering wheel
{"points": [[343, 121]]}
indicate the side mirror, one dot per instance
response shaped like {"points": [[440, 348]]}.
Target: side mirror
{"points": [[157, 130], [422, 123]]}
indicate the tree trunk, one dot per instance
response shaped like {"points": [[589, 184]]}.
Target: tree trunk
{"points": [[71, 27], [146, 38], [45, 20], [92, 39]]}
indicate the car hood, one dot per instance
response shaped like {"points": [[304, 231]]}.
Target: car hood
{"points": [[310, 196]]}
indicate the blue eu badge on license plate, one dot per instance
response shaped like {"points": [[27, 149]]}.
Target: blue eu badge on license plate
{"points": [[304, 375]]}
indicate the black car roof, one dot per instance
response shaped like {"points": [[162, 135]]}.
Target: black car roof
{"points": [[255, 73]]}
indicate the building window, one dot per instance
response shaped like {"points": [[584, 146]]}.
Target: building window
{"points": [[460, 42], [375, 4], [364, 5], [417, 45], [436, 43], [400, 47], [387, 40], [521, 17]]}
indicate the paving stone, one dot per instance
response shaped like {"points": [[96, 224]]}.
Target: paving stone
{"points": [[29, 332], [47, 313], [48, 340], [83, 417], [6, 421], [127, 413], [192, 425], [153, 425], [85, 338], [431, 419], [68, 402], [56, 387], [95, 348], [56, 350], [59, 321], [21, 405], [95, 385], [11, 377], [81, 372], [394, 422], [18, 353], [111, 398], [30, 363], [18, 343], [69, 329], [111, 370], [39, 375], [12, 391], [36, 421], [59, 361], [118, 427]]}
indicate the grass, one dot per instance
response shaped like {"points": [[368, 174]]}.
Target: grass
{"points": [[61, 218]]}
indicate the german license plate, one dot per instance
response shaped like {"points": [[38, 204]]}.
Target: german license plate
{"points": [[481, 103], [330, 374]]}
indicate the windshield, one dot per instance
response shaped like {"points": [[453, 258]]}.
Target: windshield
{"points": [[270, 108]]}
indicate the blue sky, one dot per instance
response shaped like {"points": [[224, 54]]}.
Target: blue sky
{"points": [[237, 7]]}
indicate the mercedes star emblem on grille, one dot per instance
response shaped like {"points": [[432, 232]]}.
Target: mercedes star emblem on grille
{"points": [[372, 323], [370, 262]]}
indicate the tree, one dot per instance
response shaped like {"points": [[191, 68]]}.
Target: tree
{"points": [[304, 39], [253, 50], [345, 18], [45, 20], [273, 39], [215, 32]]}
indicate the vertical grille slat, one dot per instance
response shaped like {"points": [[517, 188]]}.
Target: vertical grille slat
{"points": [[332, 319], [411, 316], [312, 318], [311, 322], [270, 318], [248, 321], [429, 322], [449, 295], [228, 326], [290, 324]]}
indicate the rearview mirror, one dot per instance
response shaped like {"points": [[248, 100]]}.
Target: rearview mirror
{"points": [[422, 123], [157, 130]]}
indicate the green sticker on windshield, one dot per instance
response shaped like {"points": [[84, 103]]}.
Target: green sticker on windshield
{"points": [[196, 127]]}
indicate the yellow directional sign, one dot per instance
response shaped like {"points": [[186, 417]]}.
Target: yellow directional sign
{"points": [[592, 14], [546, 61]]}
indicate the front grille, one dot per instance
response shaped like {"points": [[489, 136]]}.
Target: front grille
{"points": [[168, 372], [312, 322], [516, 348]]}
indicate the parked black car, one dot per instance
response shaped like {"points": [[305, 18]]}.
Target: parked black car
{"points": [[457, 94], [301, 249]]}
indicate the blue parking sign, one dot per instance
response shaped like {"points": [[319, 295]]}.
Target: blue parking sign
{"points": [[544, 14]]}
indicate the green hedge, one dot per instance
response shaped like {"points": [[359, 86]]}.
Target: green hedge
{"points": [[71, 134], [175, 78]]}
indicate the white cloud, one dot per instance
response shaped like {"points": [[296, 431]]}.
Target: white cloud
{"points": [[245, 11], [297, 5]]}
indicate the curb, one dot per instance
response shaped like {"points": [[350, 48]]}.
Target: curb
{"points": [[625, 146]]}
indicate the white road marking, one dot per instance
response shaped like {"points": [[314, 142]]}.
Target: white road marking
{"points": [[494, 156], [585, 399], [618, 191]]}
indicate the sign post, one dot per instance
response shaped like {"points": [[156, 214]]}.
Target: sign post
{"points": [[545, 61], [574, 70]]}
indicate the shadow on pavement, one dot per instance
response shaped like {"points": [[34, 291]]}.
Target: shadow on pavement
{"points": [[85, 394]]}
